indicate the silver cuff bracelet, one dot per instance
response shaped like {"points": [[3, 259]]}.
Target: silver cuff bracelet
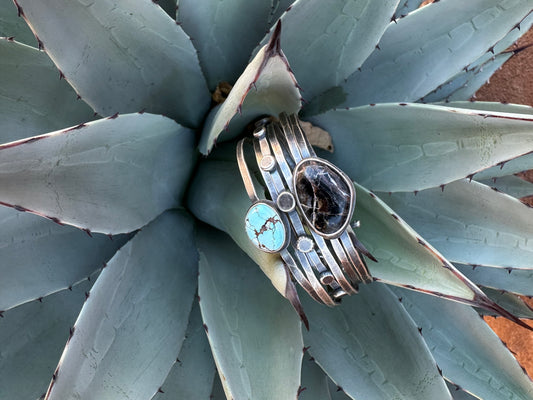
{"points": [[307, 218]]}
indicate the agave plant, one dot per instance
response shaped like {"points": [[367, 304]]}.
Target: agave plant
{"points": [[124, 205]]}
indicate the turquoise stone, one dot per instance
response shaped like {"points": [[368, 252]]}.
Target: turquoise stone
{"points": [[265, 228]]}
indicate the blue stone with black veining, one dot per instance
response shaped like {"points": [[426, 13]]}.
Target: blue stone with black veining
{"points": [[265, 228]]}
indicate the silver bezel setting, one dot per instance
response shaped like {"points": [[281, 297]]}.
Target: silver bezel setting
{"points": [[305, 244], [281, 205], [348, 182], [283, 219]]}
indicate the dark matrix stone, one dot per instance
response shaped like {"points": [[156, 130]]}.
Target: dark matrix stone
{"points": [[324, 196]]}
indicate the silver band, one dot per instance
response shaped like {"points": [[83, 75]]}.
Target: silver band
{"points": [[328, 265]]}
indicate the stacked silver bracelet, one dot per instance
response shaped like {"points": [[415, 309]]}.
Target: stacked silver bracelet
{"points": [[307, 220]]}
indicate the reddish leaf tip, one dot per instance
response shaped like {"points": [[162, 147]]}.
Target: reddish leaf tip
{"points": [[274, 44]]}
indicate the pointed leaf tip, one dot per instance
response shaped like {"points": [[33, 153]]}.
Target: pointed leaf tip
{"points": [[489, 305], [275, 90], [274, 44]]}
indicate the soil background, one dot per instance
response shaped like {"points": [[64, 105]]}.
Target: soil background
{"points": [[513, 83]]}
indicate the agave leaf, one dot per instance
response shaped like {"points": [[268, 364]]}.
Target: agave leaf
{"points": [[406, 260], [507, 167], [510, 184], [33, 100], [427, 48], [141, 301], [314, 381], [466, 223], [170, 7], [406, 6], [217, 393], [125, 56], [254, 335], [193, 374], [464, 85], [407, 147], [38, 257], [509, 301], [266, 87], [343, 34], [224, 33], [336, 392], [71, 176], [12, 26], [33, 336], [468, 351], [458, 393], [508, 40], [217, 197], [509, 279], [353, 343], [277, 9], [489, 106]]}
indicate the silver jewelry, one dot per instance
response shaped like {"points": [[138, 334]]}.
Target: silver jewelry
{"points": [[307, 219]]}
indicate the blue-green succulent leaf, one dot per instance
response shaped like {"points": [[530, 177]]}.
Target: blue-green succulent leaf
{"points": [[170, 7], [410, 146], [33, 336], [193, 374], [464, 85], [468, 351], [354, 343], [458, 393], [33, 98], [510, 301], [509, 167], [519, 281], [278, 8], [217, 197], [254, 335], [510, 184], [132, 326], [508, 40], [113, 175], [428, 47], [123, 57], [38, 257], [406, 6], [342, 35], [489, 106], [470, 223], [407, 260], [217, 392], [266, 87], [13, 26], [336, 392], [224, 33], [314, 381]]}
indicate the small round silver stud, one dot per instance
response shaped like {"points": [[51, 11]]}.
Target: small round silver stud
{"points": [[356, 224], [267, 163], [286, 201], [339, 293], [305, 244], [259, 132], [326, 278]]}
